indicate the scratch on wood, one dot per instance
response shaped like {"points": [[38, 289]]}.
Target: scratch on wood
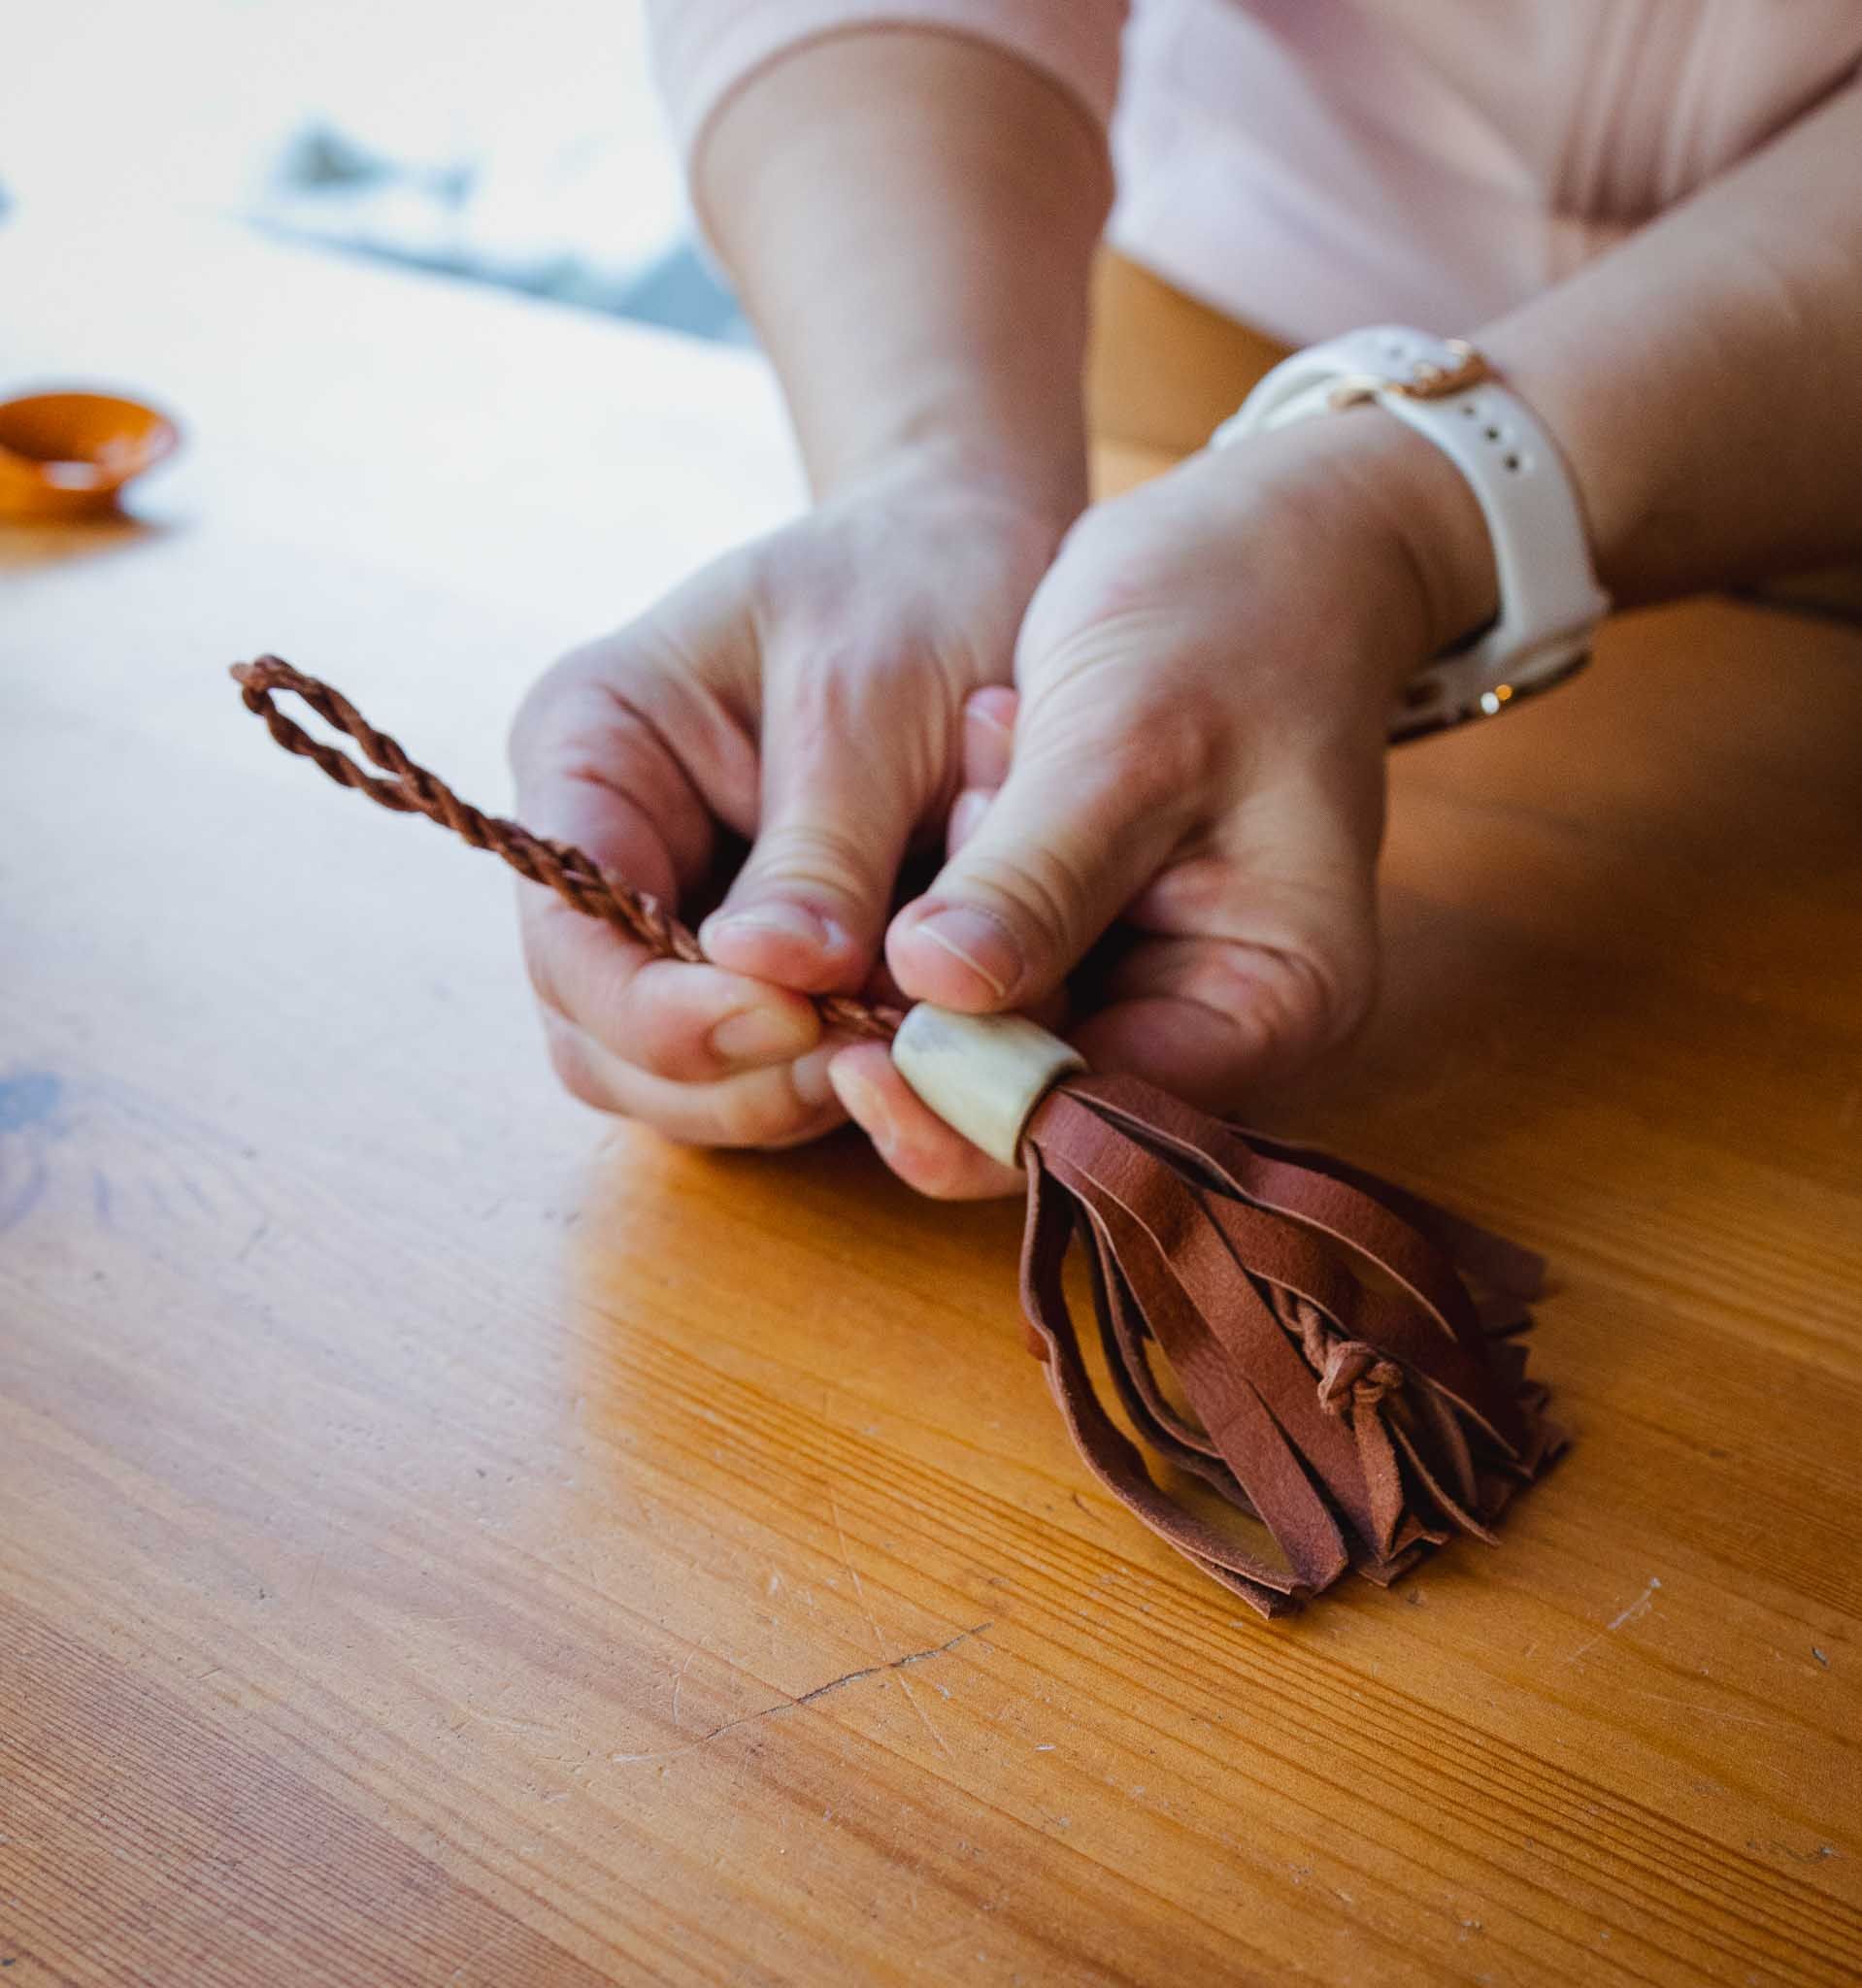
{"points": [[691, 1657], [789, 1705], [878, 1638], [1637, 1609], [1705, 1712], [1815, 1856], [504, 1719], [1639, 1606], [852, 1572]]}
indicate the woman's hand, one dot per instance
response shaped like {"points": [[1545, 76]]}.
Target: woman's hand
{"points": [[1205, 677], [806, 695]]}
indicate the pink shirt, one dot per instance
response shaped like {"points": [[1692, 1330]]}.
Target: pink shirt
{"points": [[1310, 165]]}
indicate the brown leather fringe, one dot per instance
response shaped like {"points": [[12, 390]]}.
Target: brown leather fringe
{"points": [[1296, 1341], [1339, 1383]]}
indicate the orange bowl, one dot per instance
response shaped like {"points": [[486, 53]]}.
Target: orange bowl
{"points": [[66, 455]]}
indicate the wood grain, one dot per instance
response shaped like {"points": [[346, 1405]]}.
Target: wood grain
{"points": [[447, 1538]]}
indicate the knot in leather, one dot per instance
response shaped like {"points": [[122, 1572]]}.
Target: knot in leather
{"points": [[1358, 1374]]}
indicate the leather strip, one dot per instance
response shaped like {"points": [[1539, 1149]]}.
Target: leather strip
{"points": [[1362, 1423], [1113, 1459], [1228, 1388], [1337, 1207]]}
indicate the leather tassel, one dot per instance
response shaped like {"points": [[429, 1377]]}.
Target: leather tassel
{"points": [[1317, 1371], [1284, 1332]]}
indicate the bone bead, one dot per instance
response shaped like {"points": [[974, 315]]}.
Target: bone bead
{"points": [[982, 1073]]}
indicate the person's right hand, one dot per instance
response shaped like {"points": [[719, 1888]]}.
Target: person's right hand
{"points": [[807, 694]]}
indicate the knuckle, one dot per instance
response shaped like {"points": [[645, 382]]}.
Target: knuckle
{"points": [[936, 1175], [659, 1052], [575, 1068], [1147, 733], [533, 719], [1303, 995], [813, 1127], [1099, 537], [1114, 559], [555, 715], [1170, 748], [555, 938], [759, 1111], [1044, 893], [539, 970], [1347, 1004], [628, 671], [944, 1169], [684, 1058], [821, 853]]}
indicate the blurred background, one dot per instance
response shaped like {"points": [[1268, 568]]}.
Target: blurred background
{"points": [[517, 145]]}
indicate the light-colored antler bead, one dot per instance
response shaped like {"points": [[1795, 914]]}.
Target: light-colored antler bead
{"points": [[982, 1073]]}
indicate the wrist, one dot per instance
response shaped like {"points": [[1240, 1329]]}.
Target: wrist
{"points": [[962, 424], [1397, 521], [1490, 642], [1423, 508], [1036, 500]]}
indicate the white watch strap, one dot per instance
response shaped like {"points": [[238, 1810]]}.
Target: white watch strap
{"points": [[1550, 599]]}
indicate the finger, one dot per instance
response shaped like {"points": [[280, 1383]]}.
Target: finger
{"points": [[989, 735], [680, 1021], [1099, 794], [1208, 1019], [613, 754], [689, 1023], [1270, 953], [988, 739], [587, 772], [769, 1108], [844, 782], [909, 1136], [966, 818], [623, 749]]}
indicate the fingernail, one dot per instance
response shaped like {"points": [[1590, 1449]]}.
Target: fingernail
{"points": [[866, 1106], [777, 914], [966, 811], [981, 942], [810, 1074], [979, 708], [761, 1035]]}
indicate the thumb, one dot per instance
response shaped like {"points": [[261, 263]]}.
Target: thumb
{"points": [[1098, 794], [843, 787]]}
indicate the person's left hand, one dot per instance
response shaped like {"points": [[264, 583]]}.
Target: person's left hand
{"points": [[1203, 684]]}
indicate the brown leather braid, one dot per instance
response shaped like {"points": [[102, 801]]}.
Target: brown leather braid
{"points": [[571, 873]]}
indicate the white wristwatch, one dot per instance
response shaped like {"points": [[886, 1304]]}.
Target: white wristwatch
{"points": [[1550, 601]]}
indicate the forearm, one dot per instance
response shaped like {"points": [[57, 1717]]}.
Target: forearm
{"points": [[1703, 379], [911, 219]]}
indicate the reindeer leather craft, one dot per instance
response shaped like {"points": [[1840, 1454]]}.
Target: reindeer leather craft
{"points": [[1297, 1343]]}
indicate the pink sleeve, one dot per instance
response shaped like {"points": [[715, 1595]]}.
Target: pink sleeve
{"points": [[703, 49]]}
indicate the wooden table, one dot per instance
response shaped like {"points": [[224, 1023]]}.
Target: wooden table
{"points": [[447, 1538]]}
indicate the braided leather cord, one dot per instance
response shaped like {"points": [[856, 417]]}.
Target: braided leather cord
{"points": [[408, 788]]}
